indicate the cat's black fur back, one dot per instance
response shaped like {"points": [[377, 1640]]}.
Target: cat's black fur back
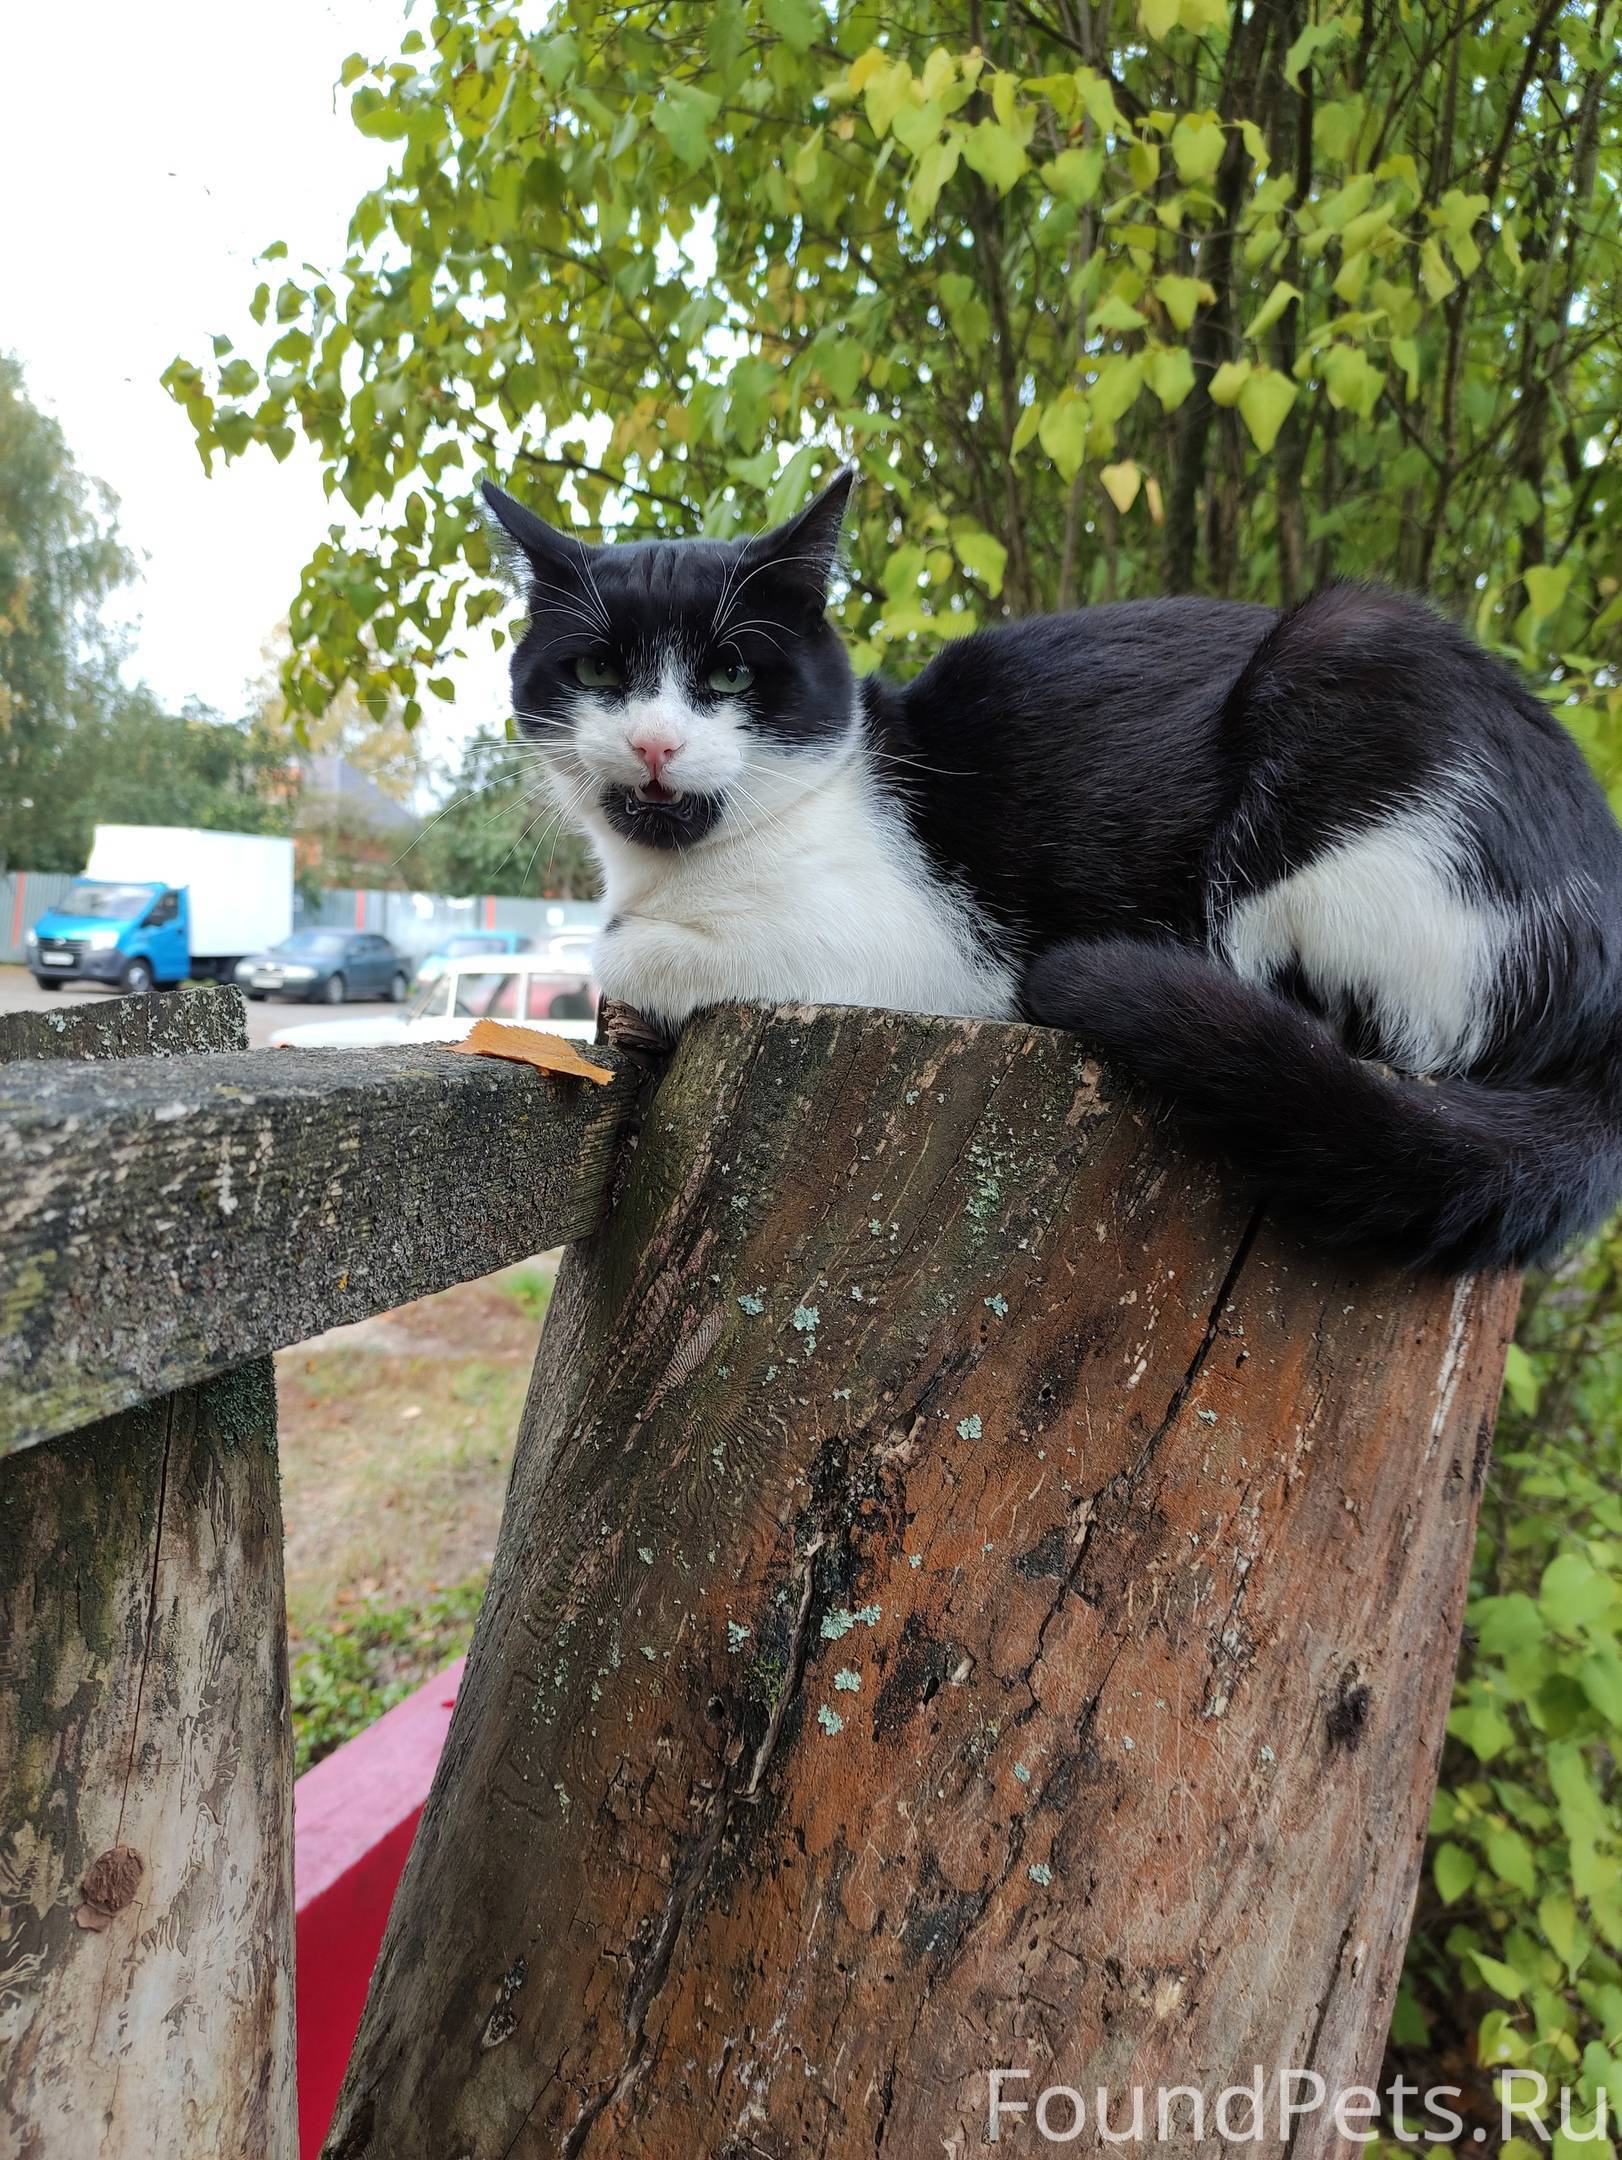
{"points": [[1332, 882], [1027, 758]]}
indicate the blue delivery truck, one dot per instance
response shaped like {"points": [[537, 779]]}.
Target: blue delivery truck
{"points": [[158, 903]]}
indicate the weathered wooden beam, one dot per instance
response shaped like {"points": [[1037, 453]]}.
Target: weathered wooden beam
{"points": [[162, 1220], [146, 1770], [971, 1596]]}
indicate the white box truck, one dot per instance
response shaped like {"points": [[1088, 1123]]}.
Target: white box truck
{"points": [[160, 902]]}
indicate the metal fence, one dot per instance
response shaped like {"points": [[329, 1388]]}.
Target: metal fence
{"points": [[416, 922], [419, 922], [24, 897]]}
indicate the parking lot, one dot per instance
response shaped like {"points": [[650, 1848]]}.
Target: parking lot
{"points": [[20, 993]]}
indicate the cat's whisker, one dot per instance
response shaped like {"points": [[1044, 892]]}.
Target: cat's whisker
{"points": [[524, 834], [943, 772], [596, 594], [575, 602], [760, 629], [772, 562]]}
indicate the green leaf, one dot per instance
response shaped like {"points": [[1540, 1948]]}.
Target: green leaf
{"points": [[1182, 297], [1315, 38], [1075, 174], [1455, 1871], [1506, 1626], [1114, 313], [1121, 484], [1546, 587], [1353, 382], [1510, 1858], [1197, 144], [1159, 18], [983, 557], [995, 153], [841, 364], [1336, 126], [1115, 388], [1557, 1917], [1600, 1676], [1504, 1978], [1520, 1374], [1434, 274], [929, 177], [1264, 405], [1228, 380], [684, 117], [1572, 1592], [1170, 375], [1063, 434], [915, 127], [1272, 308], [556, 58], [903, 571], [796, 22], [1484, 1730], [884, 93], [1338, 210], [1406, 355]]}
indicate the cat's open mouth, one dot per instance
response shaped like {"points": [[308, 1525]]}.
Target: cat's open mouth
{"points": [[660, 817]]}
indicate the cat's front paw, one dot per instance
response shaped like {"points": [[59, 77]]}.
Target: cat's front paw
{"points": [[624, 1028], [657, 968]]}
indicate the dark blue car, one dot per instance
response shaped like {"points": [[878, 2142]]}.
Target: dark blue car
{"points": [[324, 967]]}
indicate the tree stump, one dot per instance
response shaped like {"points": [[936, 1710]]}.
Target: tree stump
{"points": [[146, 1774], [971, 1597]]}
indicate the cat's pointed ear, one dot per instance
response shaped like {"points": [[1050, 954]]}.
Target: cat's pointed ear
{"points": [[543, 547], [802, 554]]}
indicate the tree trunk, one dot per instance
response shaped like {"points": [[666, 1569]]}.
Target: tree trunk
{"points": [[971, 1596], [145, 1754]]}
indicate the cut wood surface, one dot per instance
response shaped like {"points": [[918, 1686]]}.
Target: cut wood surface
{"points": [[181, 1024], [971, 1596], [145, 1754], [164, 1219]]}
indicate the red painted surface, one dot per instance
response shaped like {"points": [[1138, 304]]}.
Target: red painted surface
{"points": [[360, 909], [354, 1816], [17, 908], [489, 911]]}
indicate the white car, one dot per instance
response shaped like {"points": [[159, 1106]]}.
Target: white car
{"points": [[545, 990]]}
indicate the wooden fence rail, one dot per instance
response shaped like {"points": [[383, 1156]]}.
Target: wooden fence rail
{"points": [[164, 1220], [971, 1595]]}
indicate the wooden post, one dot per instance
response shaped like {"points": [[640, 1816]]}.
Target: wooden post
{"points": [[971, 1597], [145, 1751]]}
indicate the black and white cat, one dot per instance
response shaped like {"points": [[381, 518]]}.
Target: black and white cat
{"points": [[1254, 859]]}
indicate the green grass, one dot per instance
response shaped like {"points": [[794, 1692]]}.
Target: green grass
{"points": [[350, 1672], [530, 1289]]}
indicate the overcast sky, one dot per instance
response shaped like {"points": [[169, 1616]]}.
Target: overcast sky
{"points": [[148, 152]]}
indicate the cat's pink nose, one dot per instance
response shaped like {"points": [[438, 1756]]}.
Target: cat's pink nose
{"points": [[656, 752]]}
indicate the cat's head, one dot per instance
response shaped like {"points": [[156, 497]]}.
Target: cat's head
{"points": [[682, 688]]}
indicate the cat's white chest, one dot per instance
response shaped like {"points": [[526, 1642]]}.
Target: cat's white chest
{"points": [[833, 903]]}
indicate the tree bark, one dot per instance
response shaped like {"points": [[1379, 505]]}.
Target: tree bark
{"points": [[146, 1916], [971, 1596]]}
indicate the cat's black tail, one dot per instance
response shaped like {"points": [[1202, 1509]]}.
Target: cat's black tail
{"points": [[1450, 1173]]}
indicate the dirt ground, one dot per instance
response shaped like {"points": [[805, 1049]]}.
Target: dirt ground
{"points": [[396, 1435]]}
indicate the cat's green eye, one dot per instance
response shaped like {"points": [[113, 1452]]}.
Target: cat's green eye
{"points": [[594, 673], [730, 680]]}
